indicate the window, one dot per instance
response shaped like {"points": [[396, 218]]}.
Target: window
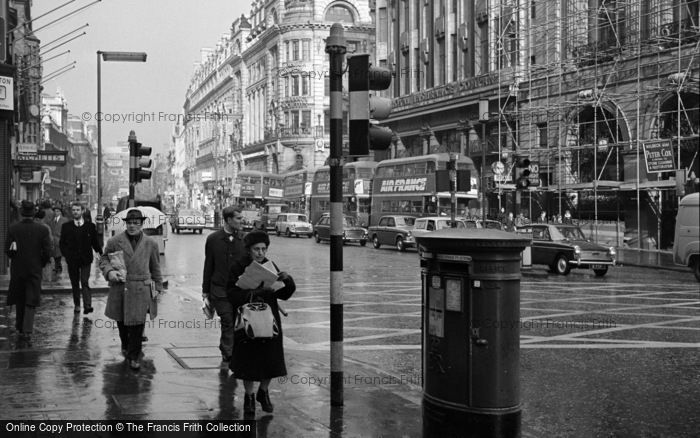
{"points": [[295, 50], [295, 121], [339, 14], [542, 133], [306, 50], [326, 121], [352, 46], [306, 121], [295, 85], [453, 43], [441, 61], [382, 26], [305, 85], [484, 39]]}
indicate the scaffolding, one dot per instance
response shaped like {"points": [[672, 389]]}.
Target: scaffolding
{"points": [[604, 96]]}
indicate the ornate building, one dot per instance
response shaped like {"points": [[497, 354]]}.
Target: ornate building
{"points": [[602, 96], [260, 99]]}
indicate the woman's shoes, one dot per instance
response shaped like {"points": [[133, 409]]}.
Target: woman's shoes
{"points": [[249, 404], [264, 399]]}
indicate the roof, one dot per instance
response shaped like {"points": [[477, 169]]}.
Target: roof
{"points": [[692, 199]]}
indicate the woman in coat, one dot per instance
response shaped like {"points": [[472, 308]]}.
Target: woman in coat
{"points": [[256, 360], [132, 296]]}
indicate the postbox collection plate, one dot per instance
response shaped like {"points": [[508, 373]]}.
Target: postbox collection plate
{"points": [[436, 312], [453, 294]]}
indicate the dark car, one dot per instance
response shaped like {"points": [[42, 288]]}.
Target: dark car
{"points": [[393, 230], [351, 231], [563, 247]]}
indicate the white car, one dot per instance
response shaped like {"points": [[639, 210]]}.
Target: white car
{"points": [[425, 225], [293, 224]]}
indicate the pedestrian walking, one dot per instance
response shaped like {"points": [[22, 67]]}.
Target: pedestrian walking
{"points": [[56, 227], [222, 249], [131, 264], [28, 246], [258, 360], [509, 223], [40, 218], [78, 239]]}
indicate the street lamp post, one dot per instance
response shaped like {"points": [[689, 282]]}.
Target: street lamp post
{"points": [[483, 119], [116, 57]]}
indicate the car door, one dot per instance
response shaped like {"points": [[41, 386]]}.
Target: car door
{"points": [[538, 245], [389, 231]]}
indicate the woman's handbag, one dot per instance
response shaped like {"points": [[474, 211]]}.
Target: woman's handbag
{"points": [[256, 321]]}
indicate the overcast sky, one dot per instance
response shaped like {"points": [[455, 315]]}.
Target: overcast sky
{"points": [[171, 32]]}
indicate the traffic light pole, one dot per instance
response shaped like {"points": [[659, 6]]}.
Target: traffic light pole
{"points": [[335, 47]]}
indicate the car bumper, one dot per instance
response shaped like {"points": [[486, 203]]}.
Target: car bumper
{"points": [[587, 263]]}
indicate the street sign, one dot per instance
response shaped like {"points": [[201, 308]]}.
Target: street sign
{"points": [[42, 158], [7, 96]]}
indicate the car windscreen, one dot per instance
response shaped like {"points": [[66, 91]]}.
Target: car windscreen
{"points": [[405, 221], [350, 222], [570, 233], [448, 224], [493, 225], [296, 218]]}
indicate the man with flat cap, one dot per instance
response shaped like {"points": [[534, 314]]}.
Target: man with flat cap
{"points": [[28, 245], [133, 290]]}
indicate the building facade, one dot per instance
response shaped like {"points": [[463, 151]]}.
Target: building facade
{"points": [[601, 96], [260, 99]]}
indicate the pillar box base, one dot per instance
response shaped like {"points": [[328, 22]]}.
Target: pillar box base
{"points": [[444, 421]]}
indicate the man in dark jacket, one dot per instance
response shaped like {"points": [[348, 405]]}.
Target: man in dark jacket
{"points": [[222, 249], [78, 239], [29, 247]]}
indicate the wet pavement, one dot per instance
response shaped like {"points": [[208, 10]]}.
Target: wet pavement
{"points": [[617, 356]]}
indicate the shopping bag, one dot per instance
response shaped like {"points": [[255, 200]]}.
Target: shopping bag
{"points": [[256, 321]]}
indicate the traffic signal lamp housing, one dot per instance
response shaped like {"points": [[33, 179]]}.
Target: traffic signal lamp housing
{"points": [[364, 133], [78, 187], [522, 180], [138, 164]]}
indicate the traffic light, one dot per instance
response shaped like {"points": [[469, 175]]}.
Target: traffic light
{"points": [[364, 134], [522, 180], [78, 187], [138, 165]]}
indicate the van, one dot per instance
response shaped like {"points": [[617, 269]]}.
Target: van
{"points": [[686, 243]]}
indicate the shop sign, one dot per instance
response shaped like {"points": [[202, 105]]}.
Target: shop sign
{"points": [[7, 94], [658, 155], [43, 158], [448, 91]]}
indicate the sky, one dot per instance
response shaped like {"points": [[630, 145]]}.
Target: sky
{"points": [[149, 95]]}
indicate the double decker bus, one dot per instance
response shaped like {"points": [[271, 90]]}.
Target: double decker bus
{"points": [[357, 183], [260, 195], [295, 193], [407, 186]]}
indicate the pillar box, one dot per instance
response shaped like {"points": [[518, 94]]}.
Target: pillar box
{"points": [[471, 332]]}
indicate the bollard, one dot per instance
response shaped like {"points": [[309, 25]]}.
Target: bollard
{"points": [[470, 332]]}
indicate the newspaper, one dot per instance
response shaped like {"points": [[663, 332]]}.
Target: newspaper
{"points": [[116, 259], [256, 273]]}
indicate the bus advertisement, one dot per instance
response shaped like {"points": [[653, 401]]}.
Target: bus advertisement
{"points": [[357, 183], [297, 188], [408, 186]]}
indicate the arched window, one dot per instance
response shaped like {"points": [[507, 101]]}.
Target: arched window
{"points": [[339, 14]]}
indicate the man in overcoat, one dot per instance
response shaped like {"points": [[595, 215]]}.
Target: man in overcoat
{"points": [[132, 291], [78, 239], [56, 224], [222, 249], [29, 247]]}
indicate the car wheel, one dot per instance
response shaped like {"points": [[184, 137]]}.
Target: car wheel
{"points": [[695, 264], [561, 265], [318, 238], [278, 232], [399, 244], [601, 272], [287, 233], [375, 242], [201, 230], [177, 230], [309, 236], [363, 242]]}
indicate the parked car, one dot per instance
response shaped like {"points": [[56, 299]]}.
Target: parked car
{"points": [[425, 225], [478, 223], [249, 218], [686, 243], [393, 230], [189, 219], [266, 220], [563, 247], [294, 224], [351, 231]]}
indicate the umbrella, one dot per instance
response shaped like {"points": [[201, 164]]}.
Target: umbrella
{"points": [[154, 219]]}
